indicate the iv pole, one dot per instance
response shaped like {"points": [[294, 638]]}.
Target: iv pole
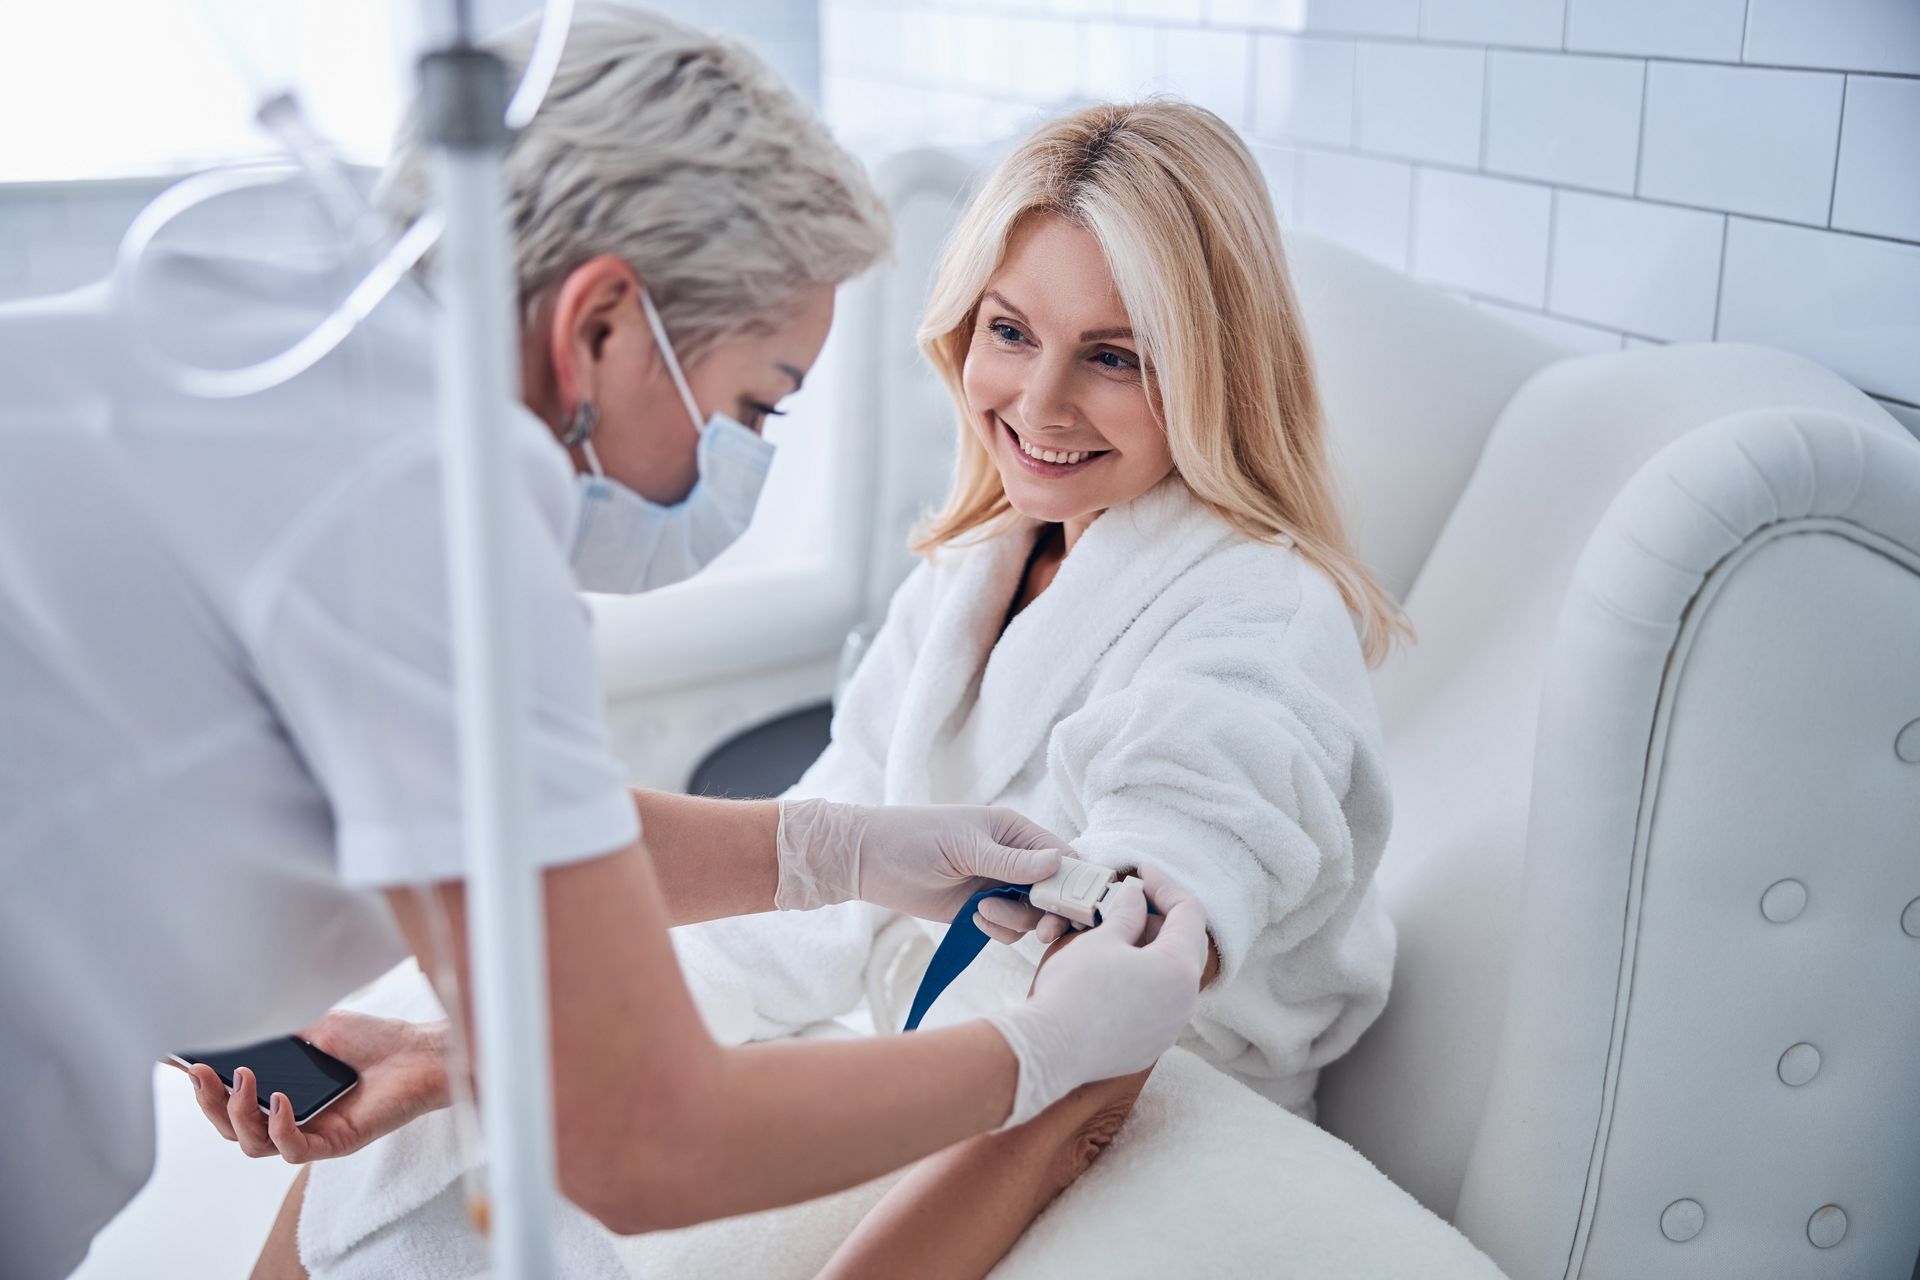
{"points": [[463, 107]]}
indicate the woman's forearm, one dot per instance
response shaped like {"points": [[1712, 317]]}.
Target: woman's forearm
{"points": [[713, 858], [957, 1213]]}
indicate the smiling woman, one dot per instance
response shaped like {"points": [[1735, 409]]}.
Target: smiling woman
{"points": [[1054, 382], [1095, 281]]}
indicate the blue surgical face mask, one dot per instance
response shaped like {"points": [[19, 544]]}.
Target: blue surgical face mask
{"points": [[625, 544]]}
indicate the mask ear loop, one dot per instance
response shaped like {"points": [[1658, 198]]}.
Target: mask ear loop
{"points": [[673, 361]]}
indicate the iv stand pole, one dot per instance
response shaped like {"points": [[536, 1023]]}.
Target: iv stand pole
{"points": [[463, 102]]}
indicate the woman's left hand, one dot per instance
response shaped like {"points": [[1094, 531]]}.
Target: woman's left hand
{"points": [[925, 860]]}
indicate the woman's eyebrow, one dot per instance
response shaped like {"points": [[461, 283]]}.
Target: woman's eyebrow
{"points": [[1001, 298], [1091, 335], [799, 378]]}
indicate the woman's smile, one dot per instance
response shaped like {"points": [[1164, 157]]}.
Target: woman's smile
{"points": [[1042, 461]]}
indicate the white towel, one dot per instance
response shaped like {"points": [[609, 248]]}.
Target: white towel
{"points": [[1206, 1178]]}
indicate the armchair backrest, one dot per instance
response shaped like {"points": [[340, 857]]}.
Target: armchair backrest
{"points": [[1412, 381], [1460, 711], [1706, 1067]]}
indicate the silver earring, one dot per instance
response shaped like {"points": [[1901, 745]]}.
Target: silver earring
{"points": [[580, 424]]}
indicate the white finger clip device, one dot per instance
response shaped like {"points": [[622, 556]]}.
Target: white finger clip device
{"points": [[1078, 891]]}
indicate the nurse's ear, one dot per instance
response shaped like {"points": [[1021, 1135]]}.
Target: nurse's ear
{"points": [[595, 315]]}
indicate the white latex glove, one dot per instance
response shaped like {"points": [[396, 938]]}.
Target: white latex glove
{"points": [[925, 860], [1111, 1003]]}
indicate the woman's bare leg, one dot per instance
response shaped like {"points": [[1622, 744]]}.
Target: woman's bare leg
{"points": [[280, 1255], [956, 1213]]}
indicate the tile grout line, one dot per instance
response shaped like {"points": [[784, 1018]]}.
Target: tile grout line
{"points": [[1720, 280], [1640, 139], [1486, 105], [1553, 220], [1839, 140]]}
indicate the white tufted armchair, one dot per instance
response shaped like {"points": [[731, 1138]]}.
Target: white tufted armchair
{"points": [[1656, 861]]}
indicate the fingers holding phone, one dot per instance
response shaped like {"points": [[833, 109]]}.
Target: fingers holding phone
{"points": [[346, 1080]]}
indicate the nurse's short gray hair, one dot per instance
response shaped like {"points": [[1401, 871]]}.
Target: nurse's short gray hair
{"points": [[683, 153]]}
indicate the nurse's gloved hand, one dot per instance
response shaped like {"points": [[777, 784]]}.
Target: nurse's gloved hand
{"points": [[1113, 1002], [925, 860]]}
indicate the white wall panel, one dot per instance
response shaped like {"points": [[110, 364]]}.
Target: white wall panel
{"points": [[1362, 203], [1744, 139], [1704, 29], [1421, 101], [1847, 35], [1211, 68], [1280, 167], [1365, 17], [1535, 23], [1564, 119], [1877, 189], [1641, 268], [1485, 235], [1850, 302], [1303, 88]]}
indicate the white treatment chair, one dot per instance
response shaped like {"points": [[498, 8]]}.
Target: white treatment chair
{"points": [[1656, 853], [1656, 757]]}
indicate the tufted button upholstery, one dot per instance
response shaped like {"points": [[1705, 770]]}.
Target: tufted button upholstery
{"points": [[1783, 900], [1906, 743], [1827, 1227], [1799, 1064], [1910, 919], [1682, 1220]]}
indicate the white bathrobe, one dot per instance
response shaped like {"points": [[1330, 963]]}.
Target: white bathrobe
{"points": [[1179, 695]]}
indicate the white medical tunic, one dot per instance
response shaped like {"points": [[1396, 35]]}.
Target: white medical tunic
{"points": [[227, 706]]}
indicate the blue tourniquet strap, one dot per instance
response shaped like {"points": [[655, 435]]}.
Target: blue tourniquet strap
{"points": [[956, 951]]}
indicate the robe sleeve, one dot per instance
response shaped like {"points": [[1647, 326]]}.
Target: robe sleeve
{"points": [[1222, 763], [766, 976]]}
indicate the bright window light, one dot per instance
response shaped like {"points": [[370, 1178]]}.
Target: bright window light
{"points": [[118, 88]]}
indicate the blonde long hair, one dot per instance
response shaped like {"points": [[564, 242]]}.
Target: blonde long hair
{"points": [[1179, 209]]}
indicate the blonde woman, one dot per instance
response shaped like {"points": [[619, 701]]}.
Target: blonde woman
{"points": [[1140, 620]]}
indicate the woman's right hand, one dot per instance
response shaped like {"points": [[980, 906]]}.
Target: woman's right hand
{"points": [[1113, 1002], [403, 1076]]}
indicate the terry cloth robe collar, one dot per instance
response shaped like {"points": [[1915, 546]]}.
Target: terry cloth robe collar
{"points": [[1124, 560]]}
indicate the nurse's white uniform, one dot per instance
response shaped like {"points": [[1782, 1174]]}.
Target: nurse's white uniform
{"points": [[226, 707]]}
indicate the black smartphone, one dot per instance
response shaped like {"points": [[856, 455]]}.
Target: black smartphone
{"points": [[312, 1080]]}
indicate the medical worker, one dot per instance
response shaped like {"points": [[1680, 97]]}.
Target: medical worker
{"points": [[227, 733]]}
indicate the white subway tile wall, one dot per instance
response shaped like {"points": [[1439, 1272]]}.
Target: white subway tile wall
{"points": [[1619, 171], [1606, 173]]}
